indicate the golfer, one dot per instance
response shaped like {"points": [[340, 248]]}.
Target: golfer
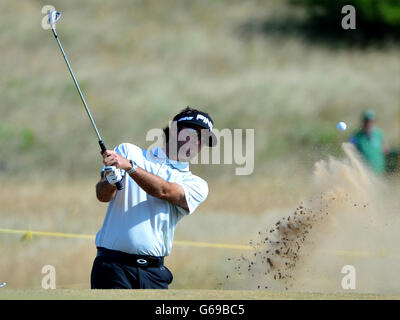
{"points": [[158, 190]]}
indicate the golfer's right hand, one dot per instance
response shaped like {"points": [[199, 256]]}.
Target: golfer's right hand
{"points": [[111, 158], [112, 174]]}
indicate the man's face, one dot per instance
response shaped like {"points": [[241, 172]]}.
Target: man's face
{"points": [[368, 125], [188, 142]]}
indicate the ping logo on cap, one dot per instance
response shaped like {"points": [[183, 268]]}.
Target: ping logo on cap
{"points": [[205, 120], [194, 119]]}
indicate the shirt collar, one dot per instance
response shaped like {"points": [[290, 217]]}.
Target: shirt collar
{"points": [[160, 153]]}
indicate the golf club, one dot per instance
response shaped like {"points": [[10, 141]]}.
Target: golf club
{"points": [[54, 16]]}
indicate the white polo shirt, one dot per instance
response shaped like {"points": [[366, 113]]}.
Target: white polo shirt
{"points": [[139, 223]]}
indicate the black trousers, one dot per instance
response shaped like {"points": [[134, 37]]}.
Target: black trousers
{"points": [[116, 272]]}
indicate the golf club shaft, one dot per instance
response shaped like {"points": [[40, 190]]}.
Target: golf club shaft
{"points": [[101, 143], [77, 87]]}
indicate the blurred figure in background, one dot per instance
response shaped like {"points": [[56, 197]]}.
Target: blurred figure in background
{"points": [[369, 141]]}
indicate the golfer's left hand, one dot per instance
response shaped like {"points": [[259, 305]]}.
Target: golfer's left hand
{"points": [[113, 174], [111, 158]]}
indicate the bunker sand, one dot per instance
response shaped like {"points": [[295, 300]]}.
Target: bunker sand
{"points": [[349, 210]]}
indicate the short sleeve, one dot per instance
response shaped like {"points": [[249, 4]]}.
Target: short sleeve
{"points": [[121, 149], [196, 191]]}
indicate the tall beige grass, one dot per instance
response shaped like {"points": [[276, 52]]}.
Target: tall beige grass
{"points": [[73, 208], [139, 63]]}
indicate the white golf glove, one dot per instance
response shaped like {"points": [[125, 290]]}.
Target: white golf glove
{"points": [[113, 174]]}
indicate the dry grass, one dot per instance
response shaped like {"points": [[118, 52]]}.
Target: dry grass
{"points": [[72, 208], [139, 63], [69, 208]]}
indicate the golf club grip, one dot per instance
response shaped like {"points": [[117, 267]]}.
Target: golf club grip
{"points": [[119, 185], [102, 146], [103, 149]]}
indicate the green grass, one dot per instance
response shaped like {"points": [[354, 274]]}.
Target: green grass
{"points": [[65, 294]]}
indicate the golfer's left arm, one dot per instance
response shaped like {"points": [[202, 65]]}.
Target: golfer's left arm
{"points": [[150, 183]]}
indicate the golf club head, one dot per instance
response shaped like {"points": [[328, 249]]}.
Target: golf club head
{"points": [[54, 16]]}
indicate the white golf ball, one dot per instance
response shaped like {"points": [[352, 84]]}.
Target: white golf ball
{"points": [[341, 126]]}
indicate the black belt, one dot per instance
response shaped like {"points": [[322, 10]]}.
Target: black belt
{"points": [[130, 259]]}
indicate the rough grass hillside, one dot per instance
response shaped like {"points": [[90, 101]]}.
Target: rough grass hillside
{"points": [[140, 62]]}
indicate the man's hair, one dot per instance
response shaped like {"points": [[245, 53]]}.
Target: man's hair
{"points": [[183, 112]]}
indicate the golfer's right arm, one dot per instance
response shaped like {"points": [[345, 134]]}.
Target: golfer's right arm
{"points": [[104, 190]]}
